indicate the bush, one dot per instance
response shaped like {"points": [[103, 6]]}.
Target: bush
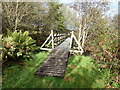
{"points": [[16, 44], [102, 45]]}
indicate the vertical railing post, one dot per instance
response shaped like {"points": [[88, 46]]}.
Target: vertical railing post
{"points": [[52, 39], [71, 39]]}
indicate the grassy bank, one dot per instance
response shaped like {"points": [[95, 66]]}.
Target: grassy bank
{"points": [[80, 73]]}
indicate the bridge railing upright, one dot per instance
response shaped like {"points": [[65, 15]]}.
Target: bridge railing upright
{"points": [[55, 38]]}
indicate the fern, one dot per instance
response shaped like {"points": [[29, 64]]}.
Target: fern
{"points": [[17, 44]]}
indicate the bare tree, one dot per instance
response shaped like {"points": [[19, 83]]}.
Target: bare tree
{"points": [[14, 12], [88, 15]]}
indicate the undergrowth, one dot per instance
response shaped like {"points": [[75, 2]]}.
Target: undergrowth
{"points": [[81, 72]]}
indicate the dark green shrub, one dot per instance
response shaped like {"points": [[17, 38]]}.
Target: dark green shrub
{"points": [[17, 44]]}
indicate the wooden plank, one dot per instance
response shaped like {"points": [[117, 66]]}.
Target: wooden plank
{"points": [[65, 45], [55, 64], [76, 51], [52, 39], [46, 49]]}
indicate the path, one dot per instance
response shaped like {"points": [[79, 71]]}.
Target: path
{"points": [[55, 64]]}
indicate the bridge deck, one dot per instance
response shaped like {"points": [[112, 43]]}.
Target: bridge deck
{"points": [[55, 64]]}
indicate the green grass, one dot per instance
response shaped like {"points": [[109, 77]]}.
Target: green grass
{"points": [[80, 73]]}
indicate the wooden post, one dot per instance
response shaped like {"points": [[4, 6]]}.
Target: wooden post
{"points": [[52, 39], [80, 23], [71, 39], [83, 39], [46, 40], [79, 47]]}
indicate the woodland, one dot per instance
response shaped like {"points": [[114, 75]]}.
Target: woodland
{"points": [[26, 26]]}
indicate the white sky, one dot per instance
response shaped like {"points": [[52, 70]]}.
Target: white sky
{"points": [[69, 1], [113, 9], [113, 5]]}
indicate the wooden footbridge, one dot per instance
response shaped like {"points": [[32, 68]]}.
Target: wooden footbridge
{"points": [[60, 46]]}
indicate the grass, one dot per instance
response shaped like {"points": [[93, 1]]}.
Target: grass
{"points": [[80, 73]]}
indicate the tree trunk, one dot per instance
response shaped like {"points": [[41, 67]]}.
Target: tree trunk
{"points": [[16, 20]]}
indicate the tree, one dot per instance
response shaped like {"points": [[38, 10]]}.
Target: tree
{"points": [[16, 14], [55, 19], [116, 20], [0, 18], [89, 14], [102, 36]]}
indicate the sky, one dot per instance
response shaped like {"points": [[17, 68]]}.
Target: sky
{"points": [[113, 9], [69, 1], [113, 5]]}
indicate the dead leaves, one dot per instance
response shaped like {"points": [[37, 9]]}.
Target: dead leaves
{"points": [[72, 66], [104, 66], [66, 78]]}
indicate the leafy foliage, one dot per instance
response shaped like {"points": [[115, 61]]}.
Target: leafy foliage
{"points": [[81, 73], [102, 44], [102, 35], [17, 44], [55, 19], [39, 18]]}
